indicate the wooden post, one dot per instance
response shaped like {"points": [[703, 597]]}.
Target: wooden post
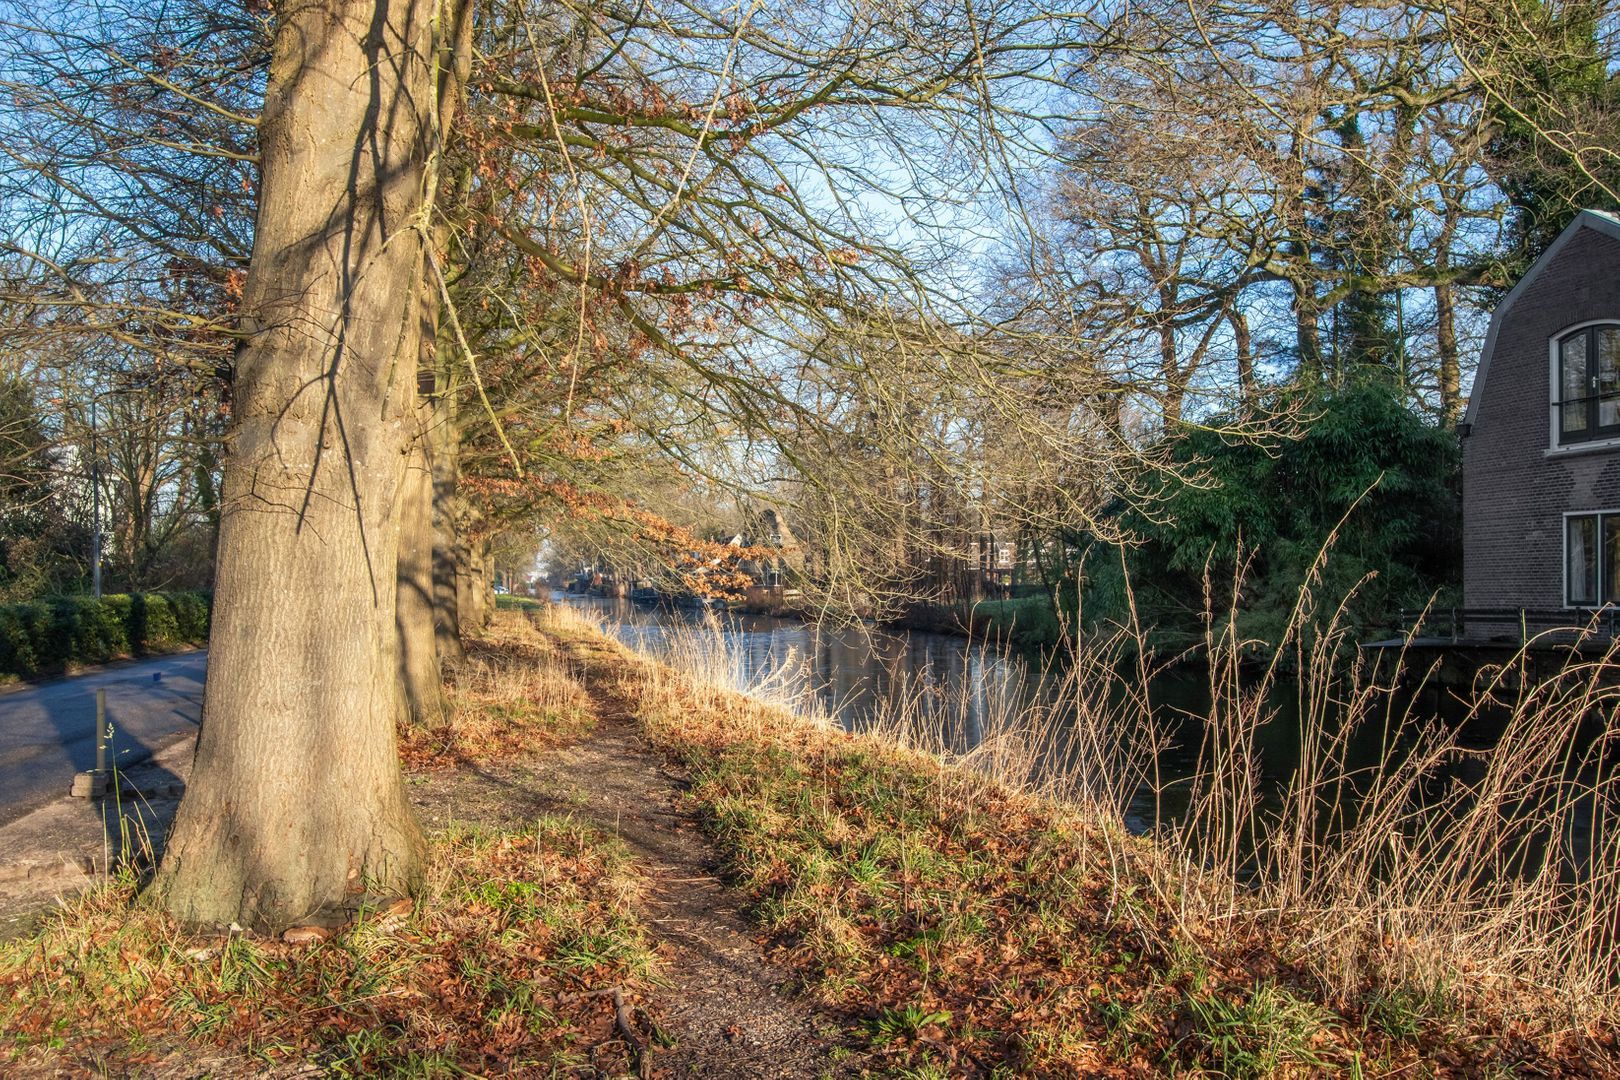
{"points": [[101, 732]]}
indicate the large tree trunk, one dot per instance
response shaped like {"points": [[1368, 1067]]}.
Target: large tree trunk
{"points": [[296, 809], [449, 531], [438, 369]]}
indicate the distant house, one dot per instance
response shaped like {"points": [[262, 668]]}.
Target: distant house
{"points": [[1541, 448]]}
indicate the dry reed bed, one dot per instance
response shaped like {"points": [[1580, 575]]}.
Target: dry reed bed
{"points": [[999, 914]]}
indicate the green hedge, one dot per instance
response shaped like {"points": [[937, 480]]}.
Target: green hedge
{"points": [[46, 636]]}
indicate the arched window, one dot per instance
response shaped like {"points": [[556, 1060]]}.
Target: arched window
{"points": [[1588, 382]]}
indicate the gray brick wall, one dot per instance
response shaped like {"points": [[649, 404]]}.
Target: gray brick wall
{"points": [[1514, 496]]}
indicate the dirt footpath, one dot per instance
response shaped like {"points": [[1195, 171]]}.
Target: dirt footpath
{"points": [[728, 1010]]}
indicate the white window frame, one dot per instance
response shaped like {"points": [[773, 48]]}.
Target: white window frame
{"points": [[1555, 396], [1563, 563]]}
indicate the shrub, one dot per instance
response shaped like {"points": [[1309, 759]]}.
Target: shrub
{"points": [[190, 615], [16, 643], [1360, 463], [153, 624], [52, 635], [88, 631]]}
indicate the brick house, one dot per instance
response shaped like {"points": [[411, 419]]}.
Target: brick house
{"points": [[1541, 446]]}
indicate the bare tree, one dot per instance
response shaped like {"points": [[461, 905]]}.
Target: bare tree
{"points": [[296, 809]]}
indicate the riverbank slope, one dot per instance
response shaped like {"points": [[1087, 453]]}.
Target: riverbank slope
{"points": [[637, 870]]}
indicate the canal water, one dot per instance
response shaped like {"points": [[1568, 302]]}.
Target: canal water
{"points": [[857, 674]]}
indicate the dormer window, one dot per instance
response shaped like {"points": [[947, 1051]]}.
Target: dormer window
{"points": [[1588, 404]]}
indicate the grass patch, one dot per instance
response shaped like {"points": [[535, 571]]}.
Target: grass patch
{"points": [[479, 978], [511, 694]]}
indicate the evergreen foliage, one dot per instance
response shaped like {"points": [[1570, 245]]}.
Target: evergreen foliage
{"points": [[1361, 457], [50, 636]]}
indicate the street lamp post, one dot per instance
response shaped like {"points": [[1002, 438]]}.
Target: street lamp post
{"points": [[95, 505]]}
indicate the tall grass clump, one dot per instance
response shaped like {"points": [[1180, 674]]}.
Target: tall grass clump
{"points": [[1443, 863]]}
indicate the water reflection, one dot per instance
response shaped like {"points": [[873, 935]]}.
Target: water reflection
{"points": [[857, 673], [957, 686], [854, 672]]}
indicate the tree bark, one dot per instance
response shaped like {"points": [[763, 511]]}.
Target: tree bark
{"points": [[421, 690], [420, 679], [295, 809], [449, 525], [1445, 330], [474, 589], [460, 554], [1244, 347], [1307, 334]]}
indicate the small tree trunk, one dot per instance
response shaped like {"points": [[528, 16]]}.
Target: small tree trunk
{"points": [[1307, 334], [1244, 347], [420, 680], [449, 522], [295, 808], [1445, 330], [476, 590]]}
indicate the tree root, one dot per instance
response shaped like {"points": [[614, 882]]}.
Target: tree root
{"points": [[624, 1019]]}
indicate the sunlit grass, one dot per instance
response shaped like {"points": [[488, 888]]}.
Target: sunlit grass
{"points": [[512, 693], [509, 923], [1001, 887]]}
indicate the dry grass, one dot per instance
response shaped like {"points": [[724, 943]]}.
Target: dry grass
{"points": [[1448, 864], [1403, 919], [1492, 867], [512, 693], [478, 978]]}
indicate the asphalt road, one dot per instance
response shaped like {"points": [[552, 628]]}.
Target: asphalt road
{"points": [[47, 732]]}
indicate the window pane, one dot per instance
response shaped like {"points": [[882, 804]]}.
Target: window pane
{"points": [[1573, 352], [1608, 372], [1572, 384], [1581, 569], [1608, 358], [1609, 411], [1611, 557], [1574, 417]]}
